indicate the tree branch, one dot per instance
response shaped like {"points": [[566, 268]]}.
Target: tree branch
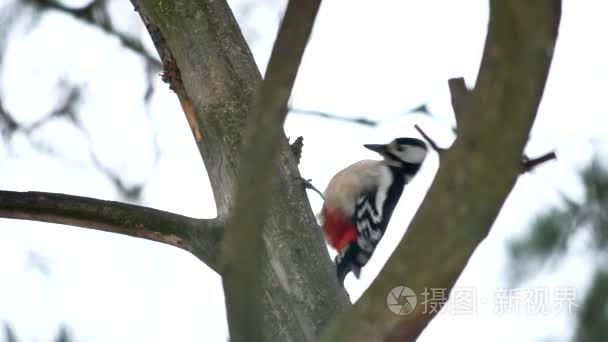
{"points": [[216, 79], [475, 177], [243, 248], [528, 164], [459, 94], [429, 140], [86, 14], [116, 217], [361, 121], [296, 149]]}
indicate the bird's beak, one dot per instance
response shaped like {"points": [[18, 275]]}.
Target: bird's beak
{"points": [[379, 148]]}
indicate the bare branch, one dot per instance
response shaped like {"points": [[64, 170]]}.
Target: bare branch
{"points": [[527, 164], [116, 217], [129, 192], [65, 108], [475, 177], [243, 249], [360, 121], [429, 140], [421, 109], [217, 83], [88, 15], [8, 125], [530, 164], [459, 94]]}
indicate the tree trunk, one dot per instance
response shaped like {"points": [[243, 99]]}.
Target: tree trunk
{"points": [[216, 82]]}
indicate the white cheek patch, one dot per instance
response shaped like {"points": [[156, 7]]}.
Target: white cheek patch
{"points": [[413, 154]]}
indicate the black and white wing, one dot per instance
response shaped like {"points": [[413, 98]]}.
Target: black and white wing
{"points": [[368, 219], [370, 227], [373, 212]]}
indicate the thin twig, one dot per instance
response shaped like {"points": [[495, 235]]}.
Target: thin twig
{"points": [[86, 15], [528, 164], [8, 124], [360, 120], [421, 109], [430, 141]]}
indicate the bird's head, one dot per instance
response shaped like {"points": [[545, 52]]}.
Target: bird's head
{"points": [[401, 151]]}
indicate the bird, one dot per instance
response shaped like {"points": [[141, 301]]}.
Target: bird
{"points": [[360, 199]]}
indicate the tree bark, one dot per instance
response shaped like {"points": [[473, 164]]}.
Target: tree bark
{"points": [[209, 66], [243, 248], [215, 78], [198, 236]]}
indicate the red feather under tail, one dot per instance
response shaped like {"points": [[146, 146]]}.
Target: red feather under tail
{"points": [[340, 232]]}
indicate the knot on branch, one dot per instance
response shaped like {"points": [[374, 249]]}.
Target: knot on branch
{"points": [[296, 149], [459, 94], [528, 164], [172, 75]]}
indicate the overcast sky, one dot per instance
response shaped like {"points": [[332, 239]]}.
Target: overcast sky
{"points": [[376, 60]]}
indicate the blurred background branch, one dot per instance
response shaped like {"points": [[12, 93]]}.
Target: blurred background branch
{"points": [[96, 14], [552, 238]]}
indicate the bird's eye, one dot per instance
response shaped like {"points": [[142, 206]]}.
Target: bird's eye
{"points": [[400, 148]]}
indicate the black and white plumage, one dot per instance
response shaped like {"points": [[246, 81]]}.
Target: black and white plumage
{"points": [[360, 200]]}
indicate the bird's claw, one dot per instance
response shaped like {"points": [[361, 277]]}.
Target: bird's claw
{"points": [[307, 184]]}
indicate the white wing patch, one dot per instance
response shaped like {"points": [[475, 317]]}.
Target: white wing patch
{"points": [[386, 179]]}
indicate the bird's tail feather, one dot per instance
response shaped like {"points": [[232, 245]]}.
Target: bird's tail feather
{"points": [[347, 262]]}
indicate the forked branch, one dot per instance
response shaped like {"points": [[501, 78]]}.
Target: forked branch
{"points": [[219, 85], [243, 248], [475, 176]]}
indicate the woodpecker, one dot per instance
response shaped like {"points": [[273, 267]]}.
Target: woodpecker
{"points": [[360, 200]]}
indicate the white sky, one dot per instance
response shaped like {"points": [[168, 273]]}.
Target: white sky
{"points": [[375, 61]]}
